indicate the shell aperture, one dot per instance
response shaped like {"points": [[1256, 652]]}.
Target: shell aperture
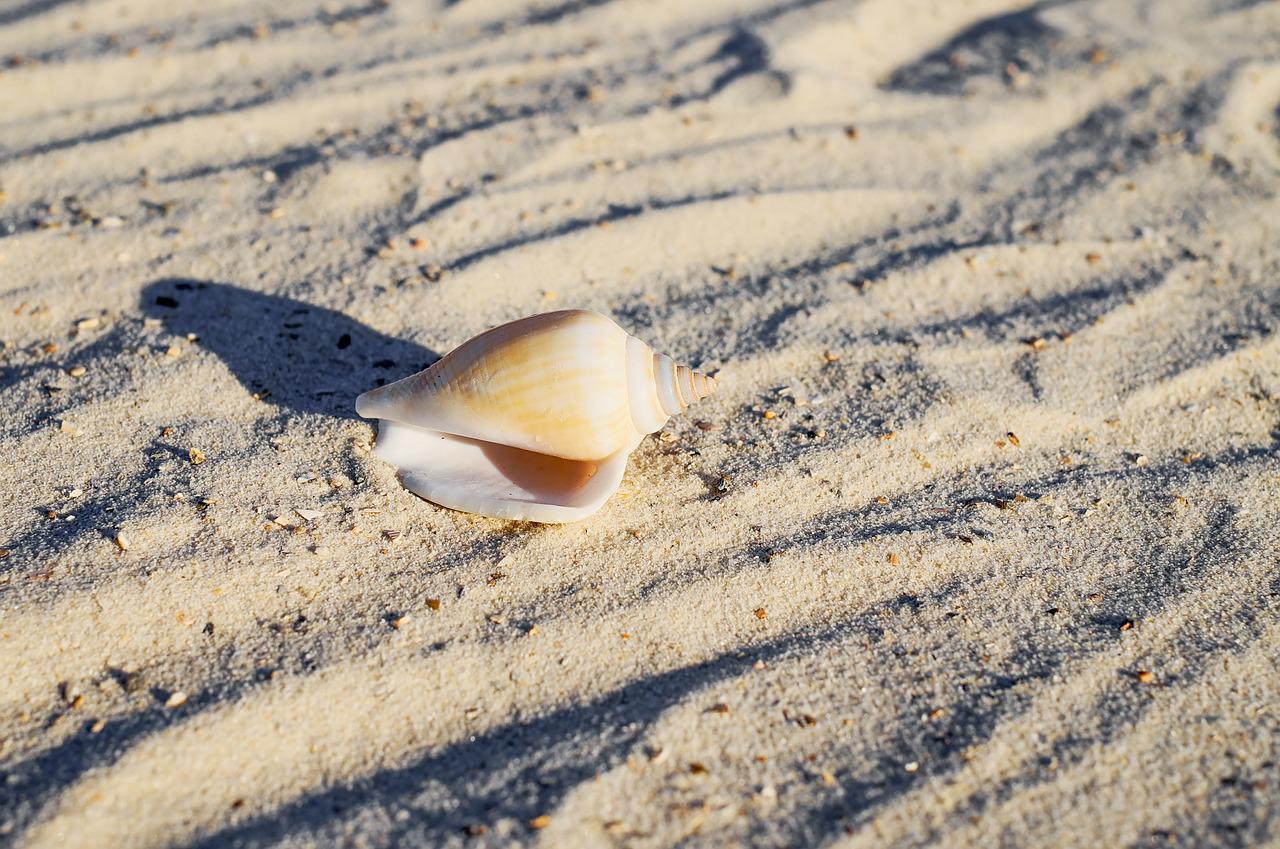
{"points": [[531, 420]]}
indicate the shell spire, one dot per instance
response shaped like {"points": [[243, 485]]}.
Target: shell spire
{"points": [[691, 385], [676, 386]]}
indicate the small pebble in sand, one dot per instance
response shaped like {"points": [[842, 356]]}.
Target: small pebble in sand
{"points": [[390, 535], [176, 699], [1013, 439], [770, 414], [97, 726], [696, 768], [276, 213], [419, 244], [433, 603], [196, 456], [911, 766], [121, 541], [830, 357], [705, 426], [1145, 676], [893, 559], [540, 822], [77, 371], [761, 613], [851, 133], [1093, 258], [720, 709]]}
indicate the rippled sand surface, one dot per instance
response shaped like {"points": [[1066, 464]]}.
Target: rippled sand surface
{"points": [[976, 545]]}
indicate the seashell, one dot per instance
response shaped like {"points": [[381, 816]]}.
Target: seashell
{"points": [[531, 420]]}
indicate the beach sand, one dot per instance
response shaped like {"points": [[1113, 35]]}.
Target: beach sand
{"points": [[976, 544]]}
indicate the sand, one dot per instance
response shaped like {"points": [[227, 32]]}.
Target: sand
{"points": [[976, 544]]}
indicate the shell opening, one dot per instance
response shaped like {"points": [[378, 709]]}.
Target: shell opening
{"points": [[498, 480]]}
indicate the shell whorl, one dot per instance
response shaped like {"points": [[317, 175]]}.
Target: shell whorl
{"points": [[678, 385], [659, 387]]}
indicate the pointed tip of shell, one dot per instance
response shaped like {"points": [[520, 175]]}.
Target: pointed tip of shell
{"points": [[375, 404], [364, 408], [678, 385], [692, 385]]}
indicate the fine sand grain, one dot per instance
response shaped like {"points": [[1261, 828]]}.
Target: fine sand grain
{"points": [[976, 545]]}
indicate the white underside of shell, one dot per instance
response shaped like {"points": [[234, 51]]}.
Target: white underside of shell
{"points": [[497, 480]]}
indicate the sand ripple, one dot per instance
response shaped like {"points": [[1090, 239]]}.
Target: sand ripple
{"points": [[999, 570]]}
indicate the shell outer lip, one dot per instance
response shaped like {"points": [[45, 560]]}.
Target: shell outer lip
{"points": [[476, 477]]}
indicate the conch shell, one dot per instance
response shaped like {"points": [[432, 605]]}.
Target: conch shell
{"points": [[530, 420]]}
